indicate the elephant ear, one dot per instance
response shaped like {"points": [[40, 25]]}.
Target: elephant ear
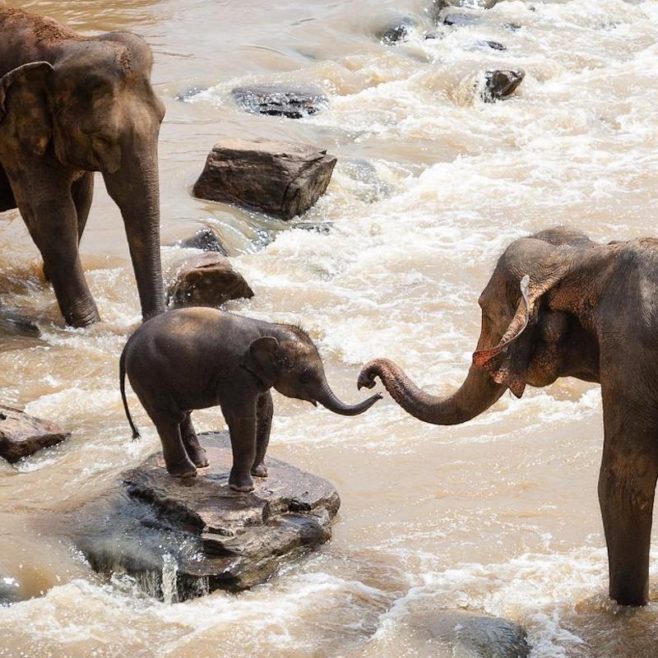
{"points": [[24, 112], [502, 361], [261, 360]]}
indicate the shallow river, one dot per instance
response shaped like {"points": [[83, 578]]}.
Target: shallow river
{"points": [[498, 515]]}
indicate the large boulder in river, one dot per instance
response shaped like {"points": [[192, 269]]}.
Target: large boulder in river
{"points": [[183, 538], [206, 280], [278, 178], [22, 435], [278, 100]]}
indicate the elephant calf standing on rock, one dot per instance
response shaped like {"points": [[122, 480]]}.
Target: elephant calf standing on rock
{"points": [[560, 305], [196, 358]]}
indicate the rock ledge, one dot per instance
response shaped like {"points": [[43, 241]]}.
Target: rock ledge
{"points": [[200, 534]]}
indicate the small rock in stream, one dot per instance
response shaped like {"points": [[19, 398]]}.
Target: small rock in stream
{"points": [[481, 4], [185, 95], [205, 239], [281, 179], [460, 20], [183, 538], [277, 100], [397, 32], [22, 435], [206, 280], [500, 84]]}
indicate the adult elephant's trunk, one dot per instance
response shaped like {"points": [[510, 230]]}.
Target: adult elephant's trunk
{"points": [[327, 398], [135, 189], [475, 395]]}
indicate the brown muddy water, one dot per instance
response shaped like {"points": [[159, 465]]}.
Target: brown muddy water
{"points": [[498, 515]]}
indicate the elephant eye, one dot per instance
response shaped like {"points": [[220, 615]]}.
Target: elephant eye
{"points": [[305, 376]]}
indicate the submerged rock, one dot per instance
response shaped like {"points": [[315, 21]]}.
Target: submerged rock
{"points": [[184, 538], [488, 43], [22, 435], [277, 100], [397, 32], [207, 280], [189, 93], [460, 20], [13, 323], [482, 4], [462, 633], [500, 84], [278, 178], [205, 239]]}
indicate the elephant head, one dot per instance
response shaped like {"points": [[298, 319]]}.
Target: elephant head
{"points": [[92, 108], [531, 333], [292, 365]]}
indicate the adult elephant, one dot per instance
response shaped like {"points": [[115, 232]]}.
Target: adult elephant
{"points": [[560, 305], [70, 106]]}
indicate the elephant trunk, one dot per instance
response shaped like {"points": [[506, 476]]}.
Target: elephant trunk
{"points": [[135, 189], [328, 399], [475, 395]]}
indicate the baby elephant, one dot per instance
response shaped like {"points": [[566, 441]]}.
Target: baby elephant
{"points": [[195, 358]]}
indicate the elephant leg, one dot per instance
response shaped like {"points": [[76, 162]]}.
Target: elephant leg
{"points": [[49, 212], [264, 412], [241, 421], [195, 452], [83, 192], [627, 484], [175, 456], [7, 201]]}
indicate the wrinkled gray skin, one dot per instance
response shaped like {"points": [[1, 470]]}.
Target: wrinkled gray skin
{"points": [[196, 358], [70, 106], [589, 311]]}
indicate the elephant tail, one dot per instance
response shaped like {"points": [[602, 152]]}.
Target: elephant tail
{"points": [[122, 386]]}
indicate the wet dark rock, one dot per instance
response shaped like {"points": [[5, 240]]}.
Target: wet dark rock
{"points": [[500, 84], [465, 634], [482, 4], [278, 178], [13, 323], [432, 35], [10, 591], [22, 435], [513, 27], [277, 100], [184, 538], [494, 45], [206, 280], [398, 31], [189, 93], [324, 228], [205, 239]]}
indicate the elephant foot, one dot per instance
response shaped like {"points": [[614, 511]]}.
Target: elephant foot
{"points": [[259, 470], [183, 472], [200, 459], [79, 320], [241, 483]]}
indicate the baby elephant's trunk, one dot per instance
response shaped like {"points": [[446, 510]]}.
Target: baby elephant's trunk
{"points": [[327, 398]]}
